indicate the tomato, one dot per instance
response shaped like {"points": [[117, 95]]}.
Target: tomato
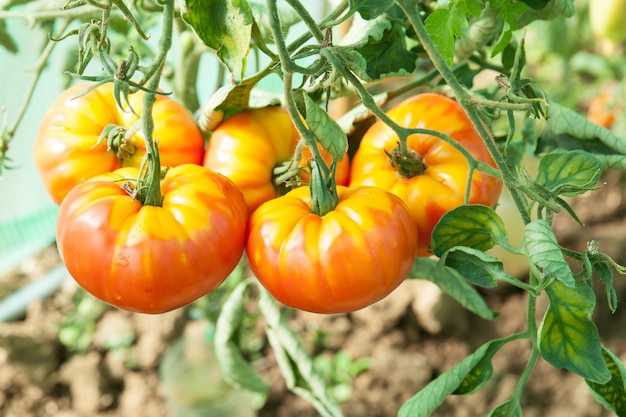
{"points": [[602, 110], [152, 259], [248, 146], [441, 185], [343, 261], [67, 151]]}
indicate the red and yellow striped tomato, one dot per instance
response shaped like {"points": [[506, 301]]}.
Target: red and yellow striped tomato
{"points": [[343, 261], [67, 151], [440, 183], [152, 259], [249, 145]]}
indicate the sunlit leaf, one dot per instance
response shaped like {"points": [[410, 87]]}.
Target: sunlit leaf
{"points": [[568, 337], [432, 395], [453, 284], [569, 173], [542, 249], [326, 130], [612, 394], [226, 27], [475, 226]]}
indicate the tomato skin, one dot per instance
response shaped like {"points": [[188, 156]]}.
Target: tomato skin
{"points": [[152, 259], [441, 187], [343, 261], [66, 150], [247, 147]]}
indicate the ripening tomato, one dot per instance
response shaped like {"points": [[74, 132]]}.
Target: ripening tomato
{"points": [[152, 259], [343, 261], [67, 151], [602, 110], [439, 172], [249, 145]]}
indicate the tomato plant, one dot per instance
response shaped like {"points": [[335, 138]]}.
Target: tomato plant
{"points": [[81, 136], [432, 178], [252, 146], [343, 261], [425, 174], [146, 258]]}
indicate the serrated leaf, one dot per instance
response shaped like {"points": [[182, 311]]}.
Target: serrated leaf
{"points": [[475, 266], [226, 27], [370, 9], [569, 173], [507, 409], [439, 30], [328, 133], [542, 249], [453, 284], [384, 51], [568, 336], [432, 395], [612, 394], [474, 225], [482, 372], [237, 371]]}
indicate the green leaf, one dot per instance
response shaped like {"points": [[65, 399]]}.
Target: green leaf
{"points": [[475, 226], [569, 173], [288, 17], [6, 40], [603, 269], [552, 9], [567, 130], [294, 362], [536, 4], [612, 394], [382, 52], [237, 371], [476, 379], [507, 409], [453, 284], [438, 27], [370, 9], [568, 337], [226, 27], [475, 266], [328, 133], [432, 395], [542, 250]]}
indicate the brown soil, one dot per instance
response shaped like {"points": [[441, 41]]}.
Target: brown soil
{"points": [[411, 337]]}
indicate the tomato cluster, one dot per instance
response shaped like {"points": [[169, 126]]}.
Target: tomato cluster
{"points": [[223, 200]]}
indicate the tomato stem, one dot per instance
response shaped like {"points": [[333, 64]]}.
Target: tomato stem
{"points": [[323, 192], [149, 185], [412, 11], [408, 164]]}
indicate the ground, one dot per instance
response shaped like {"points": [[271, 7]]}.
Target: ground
{"points": [[410, 337]]}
